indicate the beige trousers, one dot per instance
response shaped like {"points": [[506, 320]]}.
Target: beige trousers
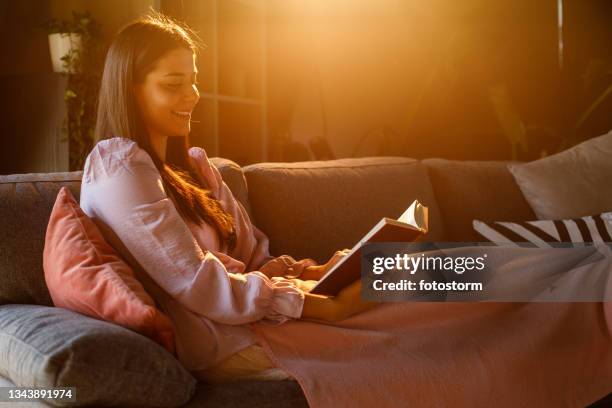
{"points": [[250, 363]]}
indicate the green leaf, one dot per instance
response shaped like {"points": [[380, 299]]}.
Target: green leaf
{"points": [[69, 94]]}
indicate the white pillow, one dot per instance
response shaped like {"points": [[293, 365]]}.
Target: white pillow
{"points": [[570, 184]]}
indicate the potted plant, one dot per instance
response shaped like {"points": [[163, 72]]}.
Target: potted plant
{"points": [[77, 53], [64, 46]]}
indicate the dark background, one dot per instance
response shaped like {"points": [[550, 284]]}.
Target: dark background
{"points": [[378, 78]]}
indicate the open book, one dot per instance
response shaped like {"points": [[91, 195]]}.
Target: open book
{"points": [[412, 224]]}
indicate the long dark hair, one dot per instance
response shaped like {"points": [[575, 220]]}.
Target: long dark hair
{"points": [[130, 57]]}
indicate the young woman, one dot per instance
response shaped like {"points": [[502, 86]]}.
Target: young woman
{"points": [[165, 207]]}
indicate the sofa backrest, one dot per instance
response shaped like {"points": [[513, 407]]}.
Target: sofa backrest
{"points": [[307, 209], [468, 190], [26, 201], [311, 209], [232, 175]]}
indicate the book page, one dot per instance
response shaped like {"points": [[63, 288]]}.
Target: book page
{"points": [[416, 215]]}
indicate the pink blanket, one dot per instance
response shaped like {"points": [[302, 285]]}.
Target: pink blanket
{"points": [[451, 354]]}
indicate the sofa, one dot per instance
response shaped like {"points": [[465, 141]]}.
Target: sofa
{"points": [[307, 209]]}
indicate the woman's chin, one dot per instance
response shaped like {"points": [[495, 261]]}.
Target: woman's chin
{"points": [[181, 132]]}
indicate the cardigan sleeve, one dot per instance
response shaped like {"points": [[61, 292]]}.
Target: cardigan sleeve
{"points": [[123, 189]]}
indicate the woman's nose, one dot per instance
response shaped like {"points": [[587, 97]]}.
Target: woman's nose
{"points": [[193, 94]]}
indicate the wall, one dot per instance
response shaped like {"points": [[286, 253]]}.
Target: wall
{"points": [[421, 72], [31, 97]]}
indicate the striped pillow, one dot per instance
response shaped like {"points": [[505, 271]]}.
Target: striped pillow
{"points": [[594, 228]]}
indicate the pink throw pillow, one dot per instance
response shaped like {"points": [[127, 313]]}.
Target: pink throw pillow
{"points": [[85, 274]]}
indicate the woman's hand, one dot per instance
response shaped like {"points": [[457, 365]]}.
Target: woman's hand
{"points": [[347, 303], [285, 265], [316, 272]]}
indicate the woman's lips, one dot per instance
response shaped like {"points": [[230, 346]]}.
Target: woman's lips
{"points": [[182, 114]]}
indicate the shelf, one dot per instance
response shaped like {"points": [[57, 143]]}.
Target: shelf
{"points": [[230, 119], [240, 50], [240, 136]]}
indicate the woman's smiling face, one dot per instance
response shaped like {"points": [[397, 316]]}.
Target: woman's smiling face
{"points": [[168, 94]]}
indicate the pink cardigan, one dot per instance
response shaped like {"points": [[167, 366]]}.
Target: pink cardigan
{"points": [[210, 295]]}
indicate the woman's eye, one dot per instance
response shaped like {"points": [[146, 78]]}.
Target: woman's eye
{"points": [[176, 86]]}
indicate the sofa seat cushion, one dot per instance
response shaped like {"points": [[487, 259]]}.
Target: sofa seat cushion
{"points": [[468, 190], [243, 394], [44, 346], [311, 209], [249, 394]]}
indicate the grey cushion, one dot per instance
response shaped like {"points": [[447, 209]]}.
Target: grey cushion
{"points": [[109, 365], [468, 190], [5, 382], [26, 201], [310, 209]]}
